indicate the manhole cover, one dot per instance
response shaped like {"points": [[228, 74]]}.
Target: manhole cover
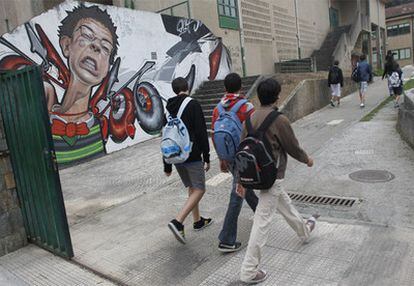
{"points": [[371, 176]]}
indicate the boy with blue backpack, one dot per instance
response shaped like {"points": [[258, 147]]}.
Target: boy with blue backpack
{"points": [[228, 117], [185, 144]]}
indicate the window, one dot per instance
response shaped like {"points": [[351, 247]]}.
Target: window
{"points": [[228, 16], [396, 30], [402, 54]]}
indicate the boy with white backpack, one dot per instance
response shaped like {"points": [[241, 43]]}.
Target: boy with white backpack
{"points": [[185, 144], [227, 120], [396, 83]]}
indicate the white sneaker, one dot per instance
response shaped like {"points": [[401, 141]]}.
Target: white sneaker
{"points": [[362, 105]]}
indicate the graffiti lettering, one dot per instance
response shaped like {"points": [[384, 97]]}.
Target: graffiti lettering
{"points": [[188, 26]]}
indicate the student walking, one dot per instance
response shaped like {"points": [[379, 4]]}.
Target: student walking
{"points": [[185, 118], [335, 82], [396, 83], [277, 134], [228, 116], [388, 69], [364, 72]]}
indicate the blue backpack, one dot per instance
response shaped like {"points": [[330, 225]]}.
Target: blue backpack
{"points": [[227, 131]]}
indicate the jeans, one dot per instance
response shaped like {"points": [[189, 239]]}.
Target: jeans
{"points": [[228, 233]]}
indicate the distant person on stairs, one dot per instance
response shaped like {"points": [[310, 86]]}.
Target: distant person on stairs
{"points": [[335, 82]]}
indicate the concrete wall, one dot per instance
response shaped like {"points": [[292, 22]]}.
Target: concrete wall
{"points": [[377, 12], [12, 233], [91, 111], [310, 96], [347, 11], [405, 124]]}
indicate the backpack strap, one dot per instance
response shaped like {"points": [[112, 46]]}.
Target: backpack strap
{"points": [[183, 106], [249, 126], [267, 122], [238, 105]]}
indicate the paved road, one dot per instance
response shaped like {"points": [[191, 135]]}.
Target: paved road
{"points": [[119, 206]]}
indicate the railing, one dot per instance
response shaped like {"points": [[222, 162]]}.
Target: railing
{"points": [[295, 66]]}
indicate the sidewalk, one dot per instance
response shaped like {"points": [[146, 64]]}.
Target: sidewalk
{"points": [[120, 205], [34, 266]]}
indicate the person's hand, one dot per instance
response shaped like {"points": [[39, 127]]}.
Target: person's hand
{"points": [[224, 166], [167, 174], [310, 162], [206, 166], [240, 190]]}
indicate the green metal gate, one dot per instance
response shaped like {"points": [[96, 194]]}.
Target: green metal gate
{"points": [[29, 139]]}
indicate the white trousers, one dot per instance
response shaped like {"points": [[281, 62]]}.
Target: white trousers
{"points": [[269, 200]]}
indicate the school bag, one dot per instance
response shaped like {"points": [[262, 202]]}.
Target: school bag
{"points": [[227, 131], [255, 164], [334, 76], [175, 143], [395, 80]]}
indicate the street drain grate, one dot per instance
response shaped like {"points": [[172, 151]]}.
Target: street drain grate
{"points": [[372, 176], [323, 200]]}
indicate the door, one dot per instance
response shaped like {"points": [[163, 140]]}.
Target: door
{"points": [[27, 128], [333, 17]]}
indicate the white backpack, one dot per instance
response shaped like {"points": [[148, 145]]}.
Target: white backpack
{"points": [[395, 80], [175, 144]]}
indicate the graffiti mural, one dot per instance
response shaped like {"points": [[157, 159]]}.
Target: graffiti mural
{"points": [[107, 71]]}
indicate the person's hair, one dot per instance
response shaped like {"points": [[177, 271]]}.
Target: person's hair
{"points": [[232, 82], [80, 12], [363, 57], [268, 91], [179, 85], [336, 63]]}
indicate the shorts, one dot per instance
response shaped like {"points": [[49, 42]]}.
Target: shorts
{"points": [[192, 174], [336, 89], [363, 86], [397, 90]]}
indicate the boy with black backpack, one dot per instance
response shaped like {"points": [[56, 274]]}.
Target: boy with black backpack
{"points": [[185, 144], [261, 164], [335, 82], [228, 116]]}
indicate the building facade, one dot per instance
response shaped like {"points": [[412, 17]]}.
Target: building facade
{"points": [[400, 23], [258, 33]]}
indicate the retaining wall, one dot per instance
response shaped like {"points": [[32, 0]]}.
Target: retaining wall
{"points": [[405, 124], [12, 233], [310, 96]]}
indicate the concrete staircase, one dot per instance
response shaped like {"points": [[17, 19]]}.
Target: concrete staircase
{"points": [[210, 93], [324, 56]]}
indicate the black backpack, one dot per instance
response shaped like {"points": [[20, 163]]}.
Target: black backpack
{"points": [[334, 75], [355, 74], [255, 164]]}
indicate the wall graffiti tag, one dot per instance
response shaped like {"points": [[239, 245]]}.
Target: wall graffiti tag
{"points": [[104, 88]]}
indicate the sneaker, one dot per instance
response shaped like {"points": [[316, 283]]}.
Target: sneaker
{"points": [[177, 229], [362, 105], [202, 223], [260, 277], [227, 248], [332, 104], [310, 224], [396, 105]]}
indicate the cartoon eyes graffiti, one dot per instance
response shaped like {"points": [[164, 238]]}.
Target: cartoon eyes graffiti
{"points": [[89, 36]]}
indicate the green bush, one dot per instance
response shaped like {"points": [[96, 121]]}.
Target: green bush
{"points": [[409, 84], [378, 72]]}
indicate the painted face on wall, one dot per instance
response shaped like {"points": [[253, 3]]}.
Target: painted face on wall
{"points": [[88, 51]]}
